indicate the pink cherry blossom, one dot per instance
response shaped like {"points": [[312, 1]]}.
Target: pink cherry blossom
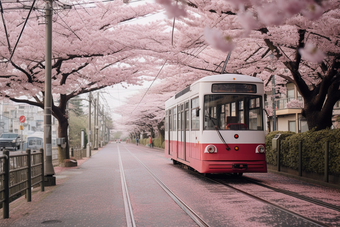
{"points": [[291, 6], [164, 2], [174, 11], [247, 21], [270, 14], [237, 3], [313, 11], [312, 53], [215, 38]]}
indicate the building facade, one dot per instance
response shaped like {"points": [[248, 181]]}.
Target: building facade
{"points": [[10, 113], [288, 108]]}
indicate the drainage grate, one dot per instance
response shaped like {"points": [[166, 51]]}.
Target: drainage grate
{"points": [[51, 222]]}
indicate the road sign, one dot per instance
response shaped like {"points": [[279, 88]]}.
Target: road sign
{"points": [[22, 119]]}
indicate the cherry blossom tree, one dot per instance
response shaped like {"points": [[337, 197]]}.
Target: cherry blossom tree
{"points": [[301, 35], [144, 111], [91, 50]]}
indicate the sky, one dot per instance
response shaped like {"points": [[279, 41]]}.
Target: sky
{"points": [[117, 95]]}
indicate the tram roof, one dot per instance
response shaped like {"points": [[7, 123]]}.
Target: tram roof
{"points": [[229, 78]]}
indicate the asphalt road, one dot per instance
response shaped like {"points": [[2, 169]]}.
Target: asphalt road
{"points": [[92, 194]]}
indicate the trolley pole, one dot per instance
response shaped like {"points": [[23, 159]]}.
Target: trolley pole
{"points": [[49, 170]]}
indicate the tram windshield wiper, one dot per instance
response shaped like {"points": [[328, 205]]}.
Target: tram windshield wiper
{"points": [[221, 137], [218, 132]]}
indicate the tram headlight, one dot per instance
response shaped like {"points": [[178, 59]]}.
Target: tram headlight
{"points": [[260, 149], [210, 149]]}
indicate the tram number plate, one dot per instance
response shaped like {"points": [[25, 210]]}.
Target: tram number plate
{"points": [[240, 166]]}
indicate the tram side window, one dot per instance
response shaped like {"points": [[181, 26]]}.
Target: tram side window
{"points": [[195, 121], [174, 124], [166, 120], [187, 116], [255, 114], [179, 122]]}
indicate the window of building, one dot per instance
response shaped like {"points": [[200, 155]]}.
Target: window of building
{"points": [[303, 126], [290, 91], [292, 126]]}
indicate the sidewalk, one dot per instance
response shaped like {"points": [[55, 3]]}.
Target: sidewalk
{"points": [[83, 196]]}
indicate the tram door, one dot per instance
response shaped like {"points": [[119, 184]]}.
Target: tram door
{"points": [[169, 128], [181, 132]]}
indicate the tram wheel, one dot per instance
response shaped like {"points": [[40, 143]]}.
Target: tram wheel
{"points": [[174, 162]]}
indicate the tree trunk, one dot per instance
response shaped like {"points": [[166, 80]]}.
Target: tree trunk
{"points": [[161, 130], [63, 151], [317, 119]]}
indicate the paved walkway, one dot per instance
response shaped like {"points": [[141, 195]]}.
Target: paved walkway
{"points": [[77, 200]]}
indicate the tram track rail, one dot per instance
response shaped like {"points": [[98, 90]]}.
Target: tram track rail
{"points": [[200, 222], [296, 195], [310, 220], [285, 192], [190, 212], [130, 221]]}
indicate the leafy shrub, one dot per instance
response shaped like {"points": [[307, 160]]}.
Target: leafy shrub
{"points": [[313, 150], [271, 154]]}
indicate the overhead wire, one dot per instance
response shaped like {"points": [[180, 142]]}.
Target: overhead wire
{"points": [[193, 52], [4, 23], [22, 30], [150, 86]]}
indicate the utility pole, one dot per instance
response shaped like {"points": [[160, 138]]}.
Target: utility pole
{"points": [[103, 127], [95, 147], [88, 148], [96, 143], [49, 170], [274, 104]]}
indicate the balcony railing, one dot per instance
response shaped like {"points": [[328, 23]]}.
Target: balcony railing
{"points": [[286, 103]]}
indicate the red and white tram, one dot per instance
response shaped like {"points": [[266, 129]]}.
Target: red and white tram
{"points": [[216, 125]]}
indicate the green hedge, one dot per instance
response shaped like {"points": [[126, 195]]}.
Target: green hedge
{"points": [[313, 150]]}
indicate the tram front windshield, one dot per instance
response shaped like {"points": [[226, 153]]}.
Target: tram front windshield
{"points": [[233, 112]]}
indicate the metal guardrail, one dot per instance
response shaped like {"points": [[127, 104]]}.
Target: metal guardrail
{"points": [[19, 173]]}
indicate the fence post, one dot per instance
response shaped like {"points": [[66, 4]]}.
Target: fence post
{"points": [[29, 176], [278, 155], [42, 186], [5, 204], [300, 158], [326, 161]]}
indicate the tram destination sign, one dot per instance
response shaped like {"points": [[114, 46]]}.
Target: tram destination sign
{"points": [[233, 88]]}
